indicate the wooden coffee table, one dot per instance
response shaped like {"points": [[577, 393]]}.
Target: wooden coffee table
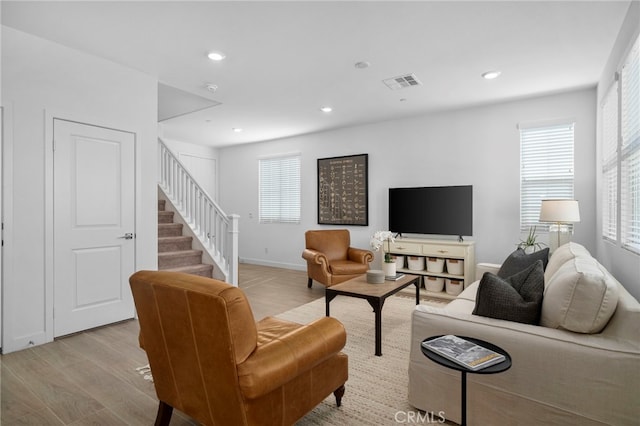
{"points": [[375, 294]]}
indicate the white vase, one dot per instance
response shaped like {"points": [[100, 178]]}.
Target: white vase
{"points": [[389, 269]]}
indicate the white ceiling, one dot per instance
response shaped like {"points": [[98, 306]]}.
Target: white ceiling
{"points": [[287, 59]]}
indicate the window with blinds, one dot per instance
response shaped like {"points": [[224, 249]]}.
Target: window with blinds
{"points": [[279, 189], [546, 169], [621, 155], [630, 150], [610, 164]]}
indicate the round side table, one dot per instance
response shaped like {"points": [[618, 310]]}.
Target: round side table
{"points": [[492, 369]]}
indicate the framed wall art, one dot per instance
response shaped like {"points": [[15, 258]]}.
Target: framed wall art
{"points": [[343, 197]]}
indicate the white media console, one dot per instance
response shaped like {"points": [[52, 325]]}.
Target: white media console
{"points": [[432, 254]]}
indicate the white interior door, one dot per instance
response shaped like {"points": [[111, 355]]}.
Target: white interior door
{"points": [[94, 218]]}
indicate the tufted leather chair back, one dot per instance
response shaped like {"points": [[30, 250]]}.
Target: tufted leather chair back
{"points": [[333, 243]]}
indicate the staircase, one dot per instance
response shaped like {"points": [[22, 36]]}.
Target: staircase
{"points": [[174, 249], [214, 231]]}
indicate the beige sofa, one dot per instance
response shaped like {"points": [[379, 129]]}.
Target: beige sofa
{"points": [[589, 376]]}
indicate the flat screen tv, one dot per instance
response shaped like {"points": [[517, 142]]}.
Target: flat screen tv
{"points": [[434, 210]]}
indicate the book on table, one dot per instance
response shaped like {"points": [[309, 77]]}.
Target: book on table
{"points": [[395, 277], [463, 352]]}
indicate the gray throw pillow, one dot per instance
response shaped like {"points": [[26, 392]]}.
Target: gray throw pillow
{"points": [[519, 261], [517, 298]]}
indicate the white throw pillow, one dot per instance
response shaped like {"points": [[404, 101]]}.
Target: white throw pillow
{"points": [[581, 297], [563, 254]]}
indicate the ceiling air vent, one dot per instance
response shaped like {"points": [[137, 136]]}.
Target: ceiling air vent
{"points": [[402, 81]]}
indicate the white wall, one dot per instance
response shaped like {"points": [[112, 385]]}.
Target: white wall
{"points": [[623, 264], [40, 78], [181, 148], [478, 146]]}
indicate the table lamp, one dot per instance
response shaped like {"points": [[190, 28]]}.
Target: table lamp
{"points": [[561, 213]]}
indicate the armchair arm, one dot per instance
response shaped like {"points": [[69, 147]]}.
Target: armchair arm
{"points": [[481, 268], [316, 257], [359, 255], [281, 360]]}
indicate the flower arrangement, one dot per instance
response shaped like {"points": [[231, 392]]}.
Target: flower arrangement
{"points": [[378, 239]]}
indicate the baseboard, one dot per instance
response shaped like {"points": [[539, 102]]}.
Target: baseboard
{"points": [[262, 262]]}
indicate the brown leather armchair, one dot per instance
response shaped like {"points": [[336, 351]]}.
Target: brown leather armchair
{"points": [[330, 259], [212, 361]]}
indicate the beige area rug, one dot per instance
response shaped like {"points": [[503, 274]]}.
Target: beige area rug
{"points": [[376, 392]]}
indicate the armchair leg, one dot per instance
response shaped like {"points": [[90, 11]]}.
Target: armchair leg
{"points": [[164, 414], [338, 393], [309, 283]]}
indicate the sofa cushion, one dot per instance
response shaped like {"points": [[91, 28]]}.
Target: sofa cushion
{"points": [[469, 293], [347, 267], [519, 261], [563, 254], [516, 298], [581, 296]]}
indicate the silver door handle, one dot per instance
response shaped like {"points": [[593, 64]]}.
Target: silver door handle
{"points": [[127, 236]]}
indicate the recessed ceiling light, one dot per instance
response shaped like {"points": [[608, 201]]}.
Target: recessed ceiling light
{"points": [[237, 129], [326, 109], [211, 87], [490, 75], [362, 65], [216, 56]]}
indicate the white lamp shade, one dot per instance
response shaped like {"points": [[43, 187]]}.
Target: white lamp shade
{"points": [[559, 211]]}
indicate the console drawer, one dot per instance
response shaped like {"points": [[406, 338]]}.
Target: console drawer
{"points": [[444, 250], [408, 248]]}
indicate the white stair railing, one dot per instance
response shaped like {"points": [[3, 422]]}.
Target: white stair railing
{"points": [[217, 231]]}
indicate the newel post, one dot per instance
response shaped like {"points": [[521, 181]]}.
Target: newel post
{"points": [[233, 252]]}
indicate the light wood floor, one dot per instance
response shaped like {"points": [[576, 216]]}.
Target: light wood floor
{"points": [[90, 379]]}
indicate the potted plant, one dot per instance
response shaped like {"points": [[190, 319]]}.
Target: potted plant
{"points": [[530, 244], [378, 240]]}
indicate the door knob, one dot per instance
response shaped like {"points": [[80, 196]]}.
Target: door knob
{"points": [[127, 236]]}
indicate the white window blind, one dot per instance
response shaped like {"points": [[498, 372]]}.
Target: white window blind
{"points": [[630, 149], [546, 169], [279, 196], [610, 163]]}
